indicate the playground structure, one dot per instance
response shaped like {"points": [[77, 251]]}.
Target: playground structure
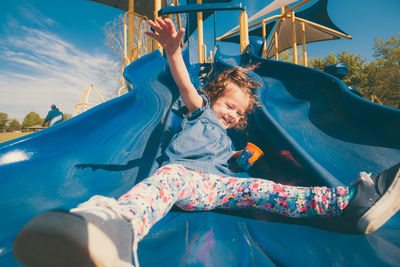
{"points": [[312, 128], [375, 99], [289, 27], [286, 31], [84, 103]]}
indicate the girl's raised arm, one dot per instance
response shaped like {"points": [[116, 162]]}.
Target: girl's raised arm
{"points": [[170, 39]]}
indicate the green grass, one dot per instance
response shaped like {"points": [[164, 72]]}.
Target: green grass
{"points": [[9, 136]]}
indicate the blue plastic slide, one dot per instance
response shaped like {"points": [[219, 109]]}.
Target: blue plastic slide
{"points": [[312, 129]]}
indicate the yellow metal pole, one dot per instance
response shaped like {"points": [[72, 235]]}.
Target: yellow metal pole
{"points": [[303, 34], [200, 33], [125, 37], [98, 94], [131, 22], [276, 45], [178, 17], [375, 99], [77, 107], [278, 24], [157, 7], [84, 95], [264, 35], [318, 26], [244, 31], [297, 6], [294, 41], [87, 97]]}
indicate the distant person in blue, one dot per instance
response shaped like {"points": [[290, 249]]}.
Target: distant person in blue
{"points": [[104, 231], [54, 116]]}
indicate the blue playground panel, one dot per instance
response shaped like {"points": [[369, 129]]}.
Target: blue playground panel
{"points": [[311, 127]]}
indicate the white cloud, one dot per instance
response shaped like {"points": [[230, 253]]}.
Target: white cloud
{"points": [[38, 68], [34, 16]]}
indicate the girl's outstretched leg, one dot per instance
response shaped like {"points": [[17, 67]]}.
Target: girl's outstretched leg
{"points": [[291, 201], [367, 204], [149, 201]]}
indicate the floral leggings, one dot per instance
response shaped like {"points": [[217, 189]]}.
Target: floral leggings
{"points": [[152, 198]]}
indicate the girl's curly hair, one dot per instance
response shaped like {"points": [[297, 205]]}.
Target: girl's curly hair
{"points": [[215, 89]]}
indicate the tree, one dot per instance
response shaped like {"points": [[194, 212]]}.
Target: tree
{"points": [[320, 63], [13, 126], [355, 76], [114, 36], [368, 86], [3, 121], [114, 40], [380, 77], [67, 116], [32, 119], [384, 74]]}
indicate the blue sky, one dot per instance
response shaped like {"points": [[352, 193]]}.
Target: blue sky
{"points": [[51, 51]]}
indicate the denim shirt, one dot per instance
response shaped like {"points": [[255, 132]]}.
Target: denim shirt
{"points": [[201, 143]]}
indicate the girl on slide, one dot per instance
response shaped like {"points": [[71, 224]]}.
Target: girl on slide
{"points": [[103, 231]]}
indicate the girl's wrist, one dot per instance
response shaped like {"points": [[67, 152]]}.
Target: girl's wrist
{"points": [[174, 53]]}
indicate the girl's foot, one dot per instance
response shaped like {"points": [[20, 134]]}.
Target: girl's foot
{"points": [[84, 238], [377, 199]]}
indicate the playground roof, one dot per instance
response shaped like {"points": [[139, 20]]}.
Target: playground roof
{"points": [[312, 34], [142, 7], [317, 14], [275, 5]]}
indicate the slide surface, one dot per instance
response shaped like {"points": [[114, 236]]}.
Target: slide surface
{"points": [[312, 129]]}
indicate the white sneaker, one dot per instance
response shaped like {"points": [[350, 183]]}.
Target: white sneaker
{"points": [[91, 235], [376, 201]]}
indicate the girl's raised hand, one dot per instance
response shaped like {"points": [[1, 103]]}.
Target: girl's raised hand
{"points": [[166, 34], [170, 39]]}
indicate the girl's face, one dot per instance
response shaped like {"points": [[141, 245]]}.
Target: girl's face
{"points": [[232, 106]]}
